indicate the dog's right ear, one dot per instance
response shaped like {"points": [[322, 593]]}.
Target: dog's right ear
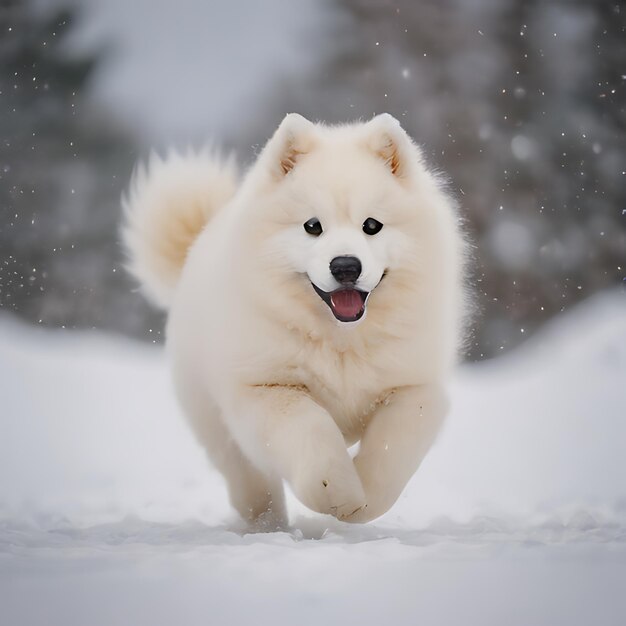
{"points": [[387, 139], [293, 138]]}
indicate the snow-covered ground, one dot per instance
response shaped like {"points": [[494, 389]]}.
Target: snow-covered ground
{"points": [[109, 513]]}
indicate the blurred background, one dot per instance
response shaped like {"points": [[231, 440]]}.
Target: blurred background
{"points": [[520, 102]]}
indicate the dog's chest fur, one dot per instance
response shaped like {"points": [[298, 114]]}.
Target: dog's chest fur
{"points": [[345, 382]]}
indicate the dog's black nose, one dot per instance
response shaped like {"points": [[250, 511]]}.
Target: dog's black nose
{"points": [[345, 269]]}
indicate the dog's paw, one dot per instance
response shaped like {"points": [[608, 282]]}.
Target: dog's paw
{"points": [[363, 514], [343, 502], [333, 488]]}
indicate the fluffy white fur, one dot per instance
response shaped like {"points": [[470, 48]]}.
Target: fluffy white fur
{"points": [[167, 205], [274, 386]]}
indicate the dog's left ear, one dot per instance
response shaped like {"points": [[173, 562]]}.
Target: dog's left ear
{"points": [[388, 140], [293, 138]]}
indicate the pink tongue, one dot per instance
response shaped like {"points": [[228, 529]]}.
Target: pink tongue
{"points": [[347, 303]]}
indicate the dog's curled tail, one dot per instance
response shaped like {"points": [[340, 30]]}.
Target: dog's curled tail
{"points": [[166, 207]]}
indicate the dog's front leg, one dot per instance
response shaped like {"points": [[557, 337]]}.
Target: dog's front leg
{"points": [[286, 433], [394, 444]]}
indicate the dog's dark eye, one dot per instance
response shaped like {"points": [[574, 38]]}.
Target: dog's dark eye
{"points": [[371, 226], [313, 227]]}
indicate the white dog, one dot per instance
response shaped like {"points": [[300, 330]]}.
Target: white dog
{"points": [[316, 305]]}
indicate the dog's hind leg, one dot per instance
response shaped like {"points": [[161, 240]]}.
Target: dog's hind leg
{"points": [[256, 496]]}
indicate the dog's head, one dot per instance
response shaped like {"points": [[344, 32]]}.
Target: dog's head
{"points": [[340, 214]]}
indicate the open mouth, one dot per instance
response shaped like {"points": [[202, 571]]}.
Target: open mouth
{"points": [[347, 305]]}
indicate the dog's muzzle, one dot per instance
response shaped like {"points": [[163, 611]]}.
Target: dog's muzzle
{"points": [[347, 304]]}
